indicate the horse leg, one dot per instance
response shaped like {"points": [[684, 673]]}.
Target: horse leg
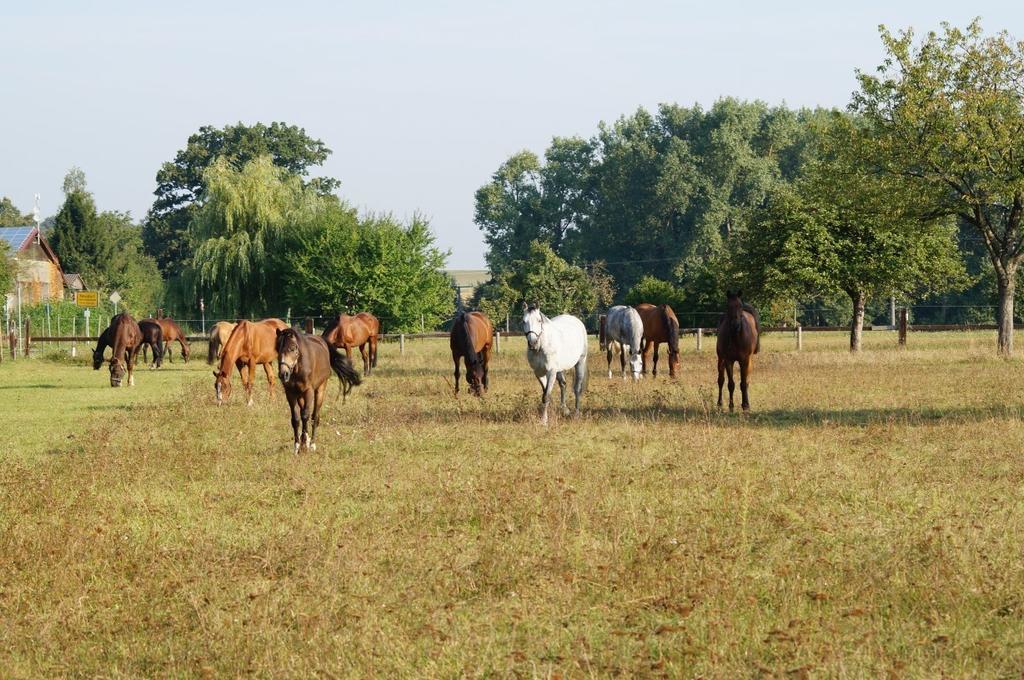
{"points": [[307, 407], [373, 351], [130, 358], [721, 380], [251, 366], [318, 401], [647, 349], [366, 358], [561, 388], [732, 384], [457, 373], [654, 371], [745, 365], [609, 353], [547, 384], [293, 404], [622, 360], [579, 379], [270, 380], [486, 358]]}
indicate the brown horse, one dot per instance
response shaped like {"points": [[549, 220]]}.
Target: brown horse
{"points": [[251, 343], [470, 340], [360, 330], [660, 325], [125, 337], [152, 338], [219, 335], [304, 364], [739, 339], [172, 332]]}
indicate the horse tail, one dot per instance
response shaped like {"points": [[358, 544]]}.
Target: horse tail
{"points": [[348, 376], [211, 352], [464, 335], [668, 317], [602, 332]]}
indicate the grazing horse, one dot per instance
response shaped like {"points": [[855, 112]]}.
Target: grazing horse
{"points": [[360, 330], [552, 347], [152, 337], [172, 331], [304, 364], [124, 336], [622, 326], [250, 343], [219, 335], [660, 325], [739, 339], [470, 339]]}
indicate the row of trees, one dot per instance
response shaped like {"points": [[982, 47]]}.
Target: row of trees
{"points": [[914, 192], [239, 222]]}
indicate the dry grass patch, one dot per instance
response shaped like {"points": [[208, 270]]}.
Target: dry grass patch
{"points": [[865, 519]]}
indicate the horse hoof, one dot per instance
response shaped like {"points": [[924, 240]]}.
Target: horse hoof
{"points": [[312, 447], [296, 448]]}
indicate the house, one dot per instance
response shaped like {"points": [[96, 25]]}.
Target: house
{"points": [[466, 281], [39, 275]]}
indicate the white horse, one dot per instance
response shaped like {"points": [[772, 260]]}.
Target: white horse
{"points": [[623, 326], [553, 346]]}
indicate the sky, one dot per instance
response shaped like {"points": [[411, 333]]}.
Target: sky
{"points": [[420, 102]]}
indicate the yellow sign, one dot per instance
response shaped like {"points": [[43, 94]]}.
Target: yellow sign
{"points": [[87, 298]]}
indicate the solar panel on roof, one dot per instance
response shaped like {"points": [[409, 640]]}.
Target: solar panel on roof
{"points": [[15, 236]]}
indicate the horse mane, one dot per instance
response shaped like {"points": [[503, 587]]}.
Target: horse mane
{"points": [[671, 327], [464, 333]]}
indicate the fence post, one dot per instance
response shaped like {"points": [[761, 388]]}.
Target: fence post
{"points": [[401, 343], [27, 340], [700, 339], [799, 338], [13, 337], [309, 325], [506, 323], [903, 326], [497, 342]]}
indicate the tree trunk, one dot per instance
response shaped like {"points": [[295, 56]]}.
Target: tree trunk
{"points": [[1004, 312], [857, 325]]}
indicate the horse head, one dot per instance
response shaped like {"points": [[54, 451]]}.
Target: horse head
{"points": [[287, 345], [221, 385], [734, 310], [533, 325], [118, 368]]}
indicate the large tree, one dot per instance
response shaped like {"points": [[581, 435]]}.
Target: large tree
{"points": [[181, 183], [950, 113], [10, 216], [80, 240], [344, 263], [845, 227]]}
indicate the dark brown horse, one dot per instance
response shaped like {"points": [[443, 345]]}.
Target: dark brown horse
{"points": [[660, 325], [125, 338], [304, 365], [739, 339], [361, 330], [152, 338], [250, 343], [172, 332], [470, 340]]}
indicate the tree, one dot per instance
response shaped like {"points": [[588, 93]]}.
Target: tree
{"points": [[236, 233], [346, 264], [129, 270], [74, 181], [80, 240], [10, 216], [846, 227], [656, 292], [950, 116], [547, 280], [7, 269], [181, 183]]}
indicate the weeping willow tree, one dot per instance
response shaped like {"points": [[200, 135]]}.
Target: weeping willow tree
{"points": [[247, 216]]}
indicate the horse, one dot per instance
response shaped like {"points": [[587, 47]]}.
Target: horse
{"points": [[552, 347], [739, 339], [172, 332], [152, 337], [360, 330], [219, 334], [250, 343], [623, 327], [660, 325], [470, 340], [304, 364], [124, 336]]}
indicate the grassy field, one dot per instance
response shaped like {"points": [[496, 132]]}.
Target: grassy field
{"points": [[866, 519]]}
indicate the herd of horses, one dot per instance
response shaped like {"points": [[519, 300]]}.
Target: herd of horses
{"points": [[305, 362]]}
